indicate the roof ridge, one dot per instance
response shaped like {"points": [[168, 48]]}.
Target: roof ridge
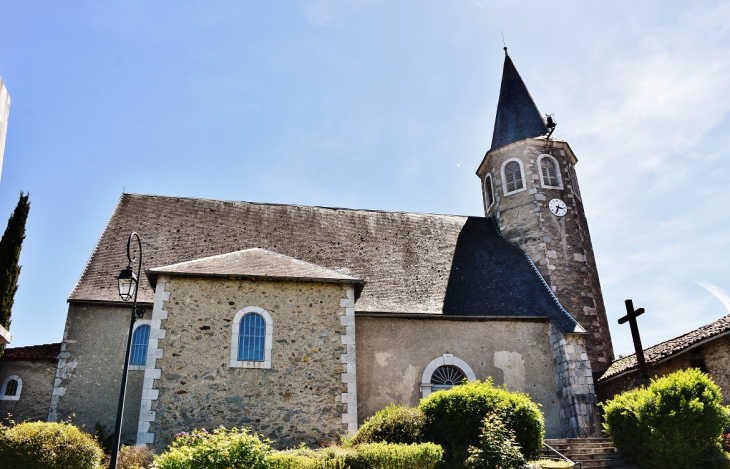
{"points": [[321, 207]]}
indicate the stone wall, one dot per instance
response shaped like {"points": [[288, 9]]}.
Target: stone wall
{"points": [[712, 357], [579, 416], [392, 354], [88, 376], [560, 247], [35, 395], [299, 399]]}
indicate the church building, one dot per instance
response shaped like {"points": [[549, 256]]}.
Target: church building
{"points": [[300, 322]]}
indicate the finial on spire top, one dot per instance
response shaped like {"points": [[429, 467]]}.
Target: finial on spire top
{"points": [[505, 44], [505, 51]]}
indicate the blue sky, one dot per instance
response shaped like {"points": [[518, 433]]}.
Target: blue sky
{"points": [[371, 104]]}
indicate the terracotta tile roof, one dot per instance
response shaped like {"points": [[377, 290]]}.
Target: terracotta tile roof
{"points": [[671, 347], [34, 352], [412, 262], [256, 262]]}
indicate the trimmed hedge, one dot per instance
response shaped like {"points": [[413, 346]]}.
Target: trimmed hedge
{"points": [[394, 424], [675, 422], [455, 419], [219, 449], [47, 445], [367, 456]]}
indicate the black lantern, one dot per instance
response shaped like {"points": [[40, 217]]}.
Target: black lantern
{"points": [[127, 283]]}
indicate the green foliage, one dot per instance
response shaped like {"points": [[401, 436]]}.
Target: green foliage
{"points": [[394, 424], [454, 419], [497, 447], [366, 456], [47, 445], [673, 423], [10, 246], [219, 449]]}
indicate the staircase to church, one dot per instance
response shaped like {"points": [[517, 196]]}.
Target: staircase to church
{"points": [[587, 453]]}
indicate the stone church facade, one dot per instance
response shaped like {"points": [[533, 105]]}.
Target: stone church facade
{"points": [[300, 322]]}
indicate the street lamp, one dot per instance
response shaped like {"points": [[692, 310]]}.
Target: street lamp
{"points": [[128, 283]]}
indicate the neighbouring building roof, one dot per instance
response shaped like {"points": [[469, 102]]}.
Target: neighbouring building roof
{"points": [[34, 352], [253, 263], [665, 350], [517, 114], [412, 262]]}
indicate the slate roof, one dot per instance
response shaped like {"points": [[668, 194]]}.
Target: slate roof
{"points": [[412, 262], [669, 348], [517, 114], [253, 263], [34, 352]]}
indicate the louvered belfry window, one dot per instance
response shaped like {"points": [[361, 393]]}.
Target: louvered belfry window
{"points": [[11, 388], [488, 190], [513, 175], [139, 345], [251, 338], [549, 172]]}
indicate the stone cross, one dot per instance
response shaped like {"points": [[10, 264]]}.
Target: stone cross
{"points": [[631, 315]]}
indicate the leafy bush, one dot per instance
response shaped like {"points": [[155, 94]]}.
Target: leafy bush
{"points": [[673, 423], [366, 456], [497, 447], [48, 445], [220, 449], [454, 419], [394, 424]]}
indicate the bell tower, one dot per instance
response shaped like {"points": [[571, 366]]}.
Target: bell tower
{"points": [[530, 188]]}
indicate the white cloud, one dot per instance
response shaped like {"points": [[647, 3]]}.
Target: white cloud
{"points": [[718, 292]]}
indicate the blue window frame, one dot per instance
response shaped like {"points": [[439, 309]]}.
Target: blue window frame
{"points": [[251, 338], [139, 345]]}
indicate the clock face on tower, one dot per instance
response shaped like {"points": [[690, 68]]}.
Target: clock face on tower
{"points": [[558, 207]]}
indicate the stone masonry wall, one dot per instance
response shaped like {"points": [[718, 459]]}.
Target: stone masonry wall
{"points": [[560, 247], [299, 399], [713, 355], [35, 395], [579, 417]]}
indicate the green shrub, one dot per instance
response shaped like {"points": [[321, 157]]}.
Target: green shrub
{"points": [[673, 423], [48, 445], [454, 419], [394, 424], [497, 447], [135, 457], [220, 449], [366, 456]]}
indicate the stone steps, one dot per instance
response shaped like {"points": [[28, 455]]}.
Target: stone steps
{"points": [[588, 453]]}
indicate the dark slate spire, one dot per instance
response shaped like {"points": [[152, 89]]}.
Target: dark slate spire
{"points": [[517, 114]]}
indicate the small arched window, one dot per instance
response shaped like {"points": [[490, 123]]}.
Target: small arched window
{"points": [[488, 192], [513, 176], [11, 388], [140, 340], [446, 377], [251, 338]]}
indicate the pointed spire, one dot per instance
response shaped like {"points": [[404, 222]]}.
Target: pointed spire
{"points": [[517, 114]]}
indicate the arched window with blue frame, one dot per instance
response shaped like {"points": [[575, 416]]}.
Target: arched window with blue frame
{"points": [[140, 340], [252, 338]]}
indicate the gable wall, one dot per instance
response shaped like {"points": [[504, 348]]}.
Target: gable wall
{"points": [[298, 399], [392, 354]]}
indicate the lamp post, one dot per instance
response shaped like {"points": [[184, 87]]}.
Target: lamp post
{"points": [[128, 283]]}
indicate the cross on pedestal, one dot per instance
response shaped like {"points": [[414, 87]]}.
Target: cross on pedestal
{"points": [[631, 315]]}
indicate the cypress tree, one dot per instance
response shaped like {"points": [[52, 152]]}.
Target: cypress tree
{"points": [[10, 245]]}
